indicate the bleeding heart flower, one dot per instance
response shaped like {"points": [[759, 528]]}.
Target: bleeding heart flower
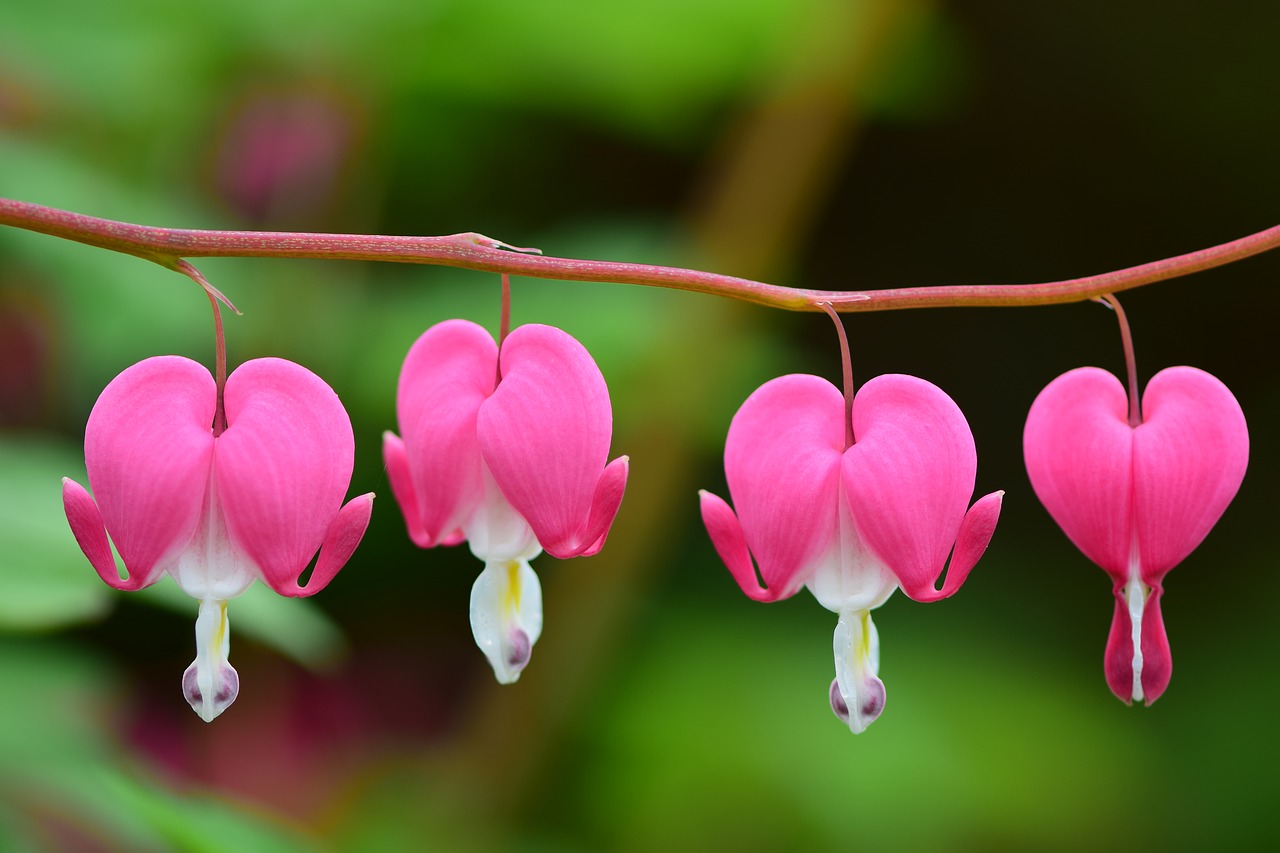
{"points": [[852, 523], [1136, 499], [216, 512], [512, 466]]}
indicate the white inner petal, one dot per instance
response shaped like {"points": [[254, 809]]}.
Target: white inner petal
{"points": [[506, 616], [857, 656], [1135, 594], [210, 683], [849, 576], [496, 531], [210, 566]]}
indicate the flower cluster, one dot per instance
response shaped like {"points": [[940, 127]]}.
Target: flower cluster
{"points": [[505, 445]]}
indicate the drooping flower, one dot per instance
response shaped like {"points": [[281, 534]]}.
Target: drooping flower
{"points": [[217, 511], [513, 465], [852, 523], [1136, 499]]}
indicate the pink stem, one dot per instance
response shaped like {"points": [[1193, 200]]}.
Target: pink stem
{"points": [[477, 252], [846, 369], [1130, 360], [219, 341]]}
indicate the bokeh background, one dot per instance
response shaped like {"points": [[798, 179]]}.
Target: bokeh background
{"points": [[819, 143]]}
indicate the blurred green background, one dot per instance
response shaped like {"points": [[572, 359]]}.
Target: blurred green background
{"points": [[816, 143]]}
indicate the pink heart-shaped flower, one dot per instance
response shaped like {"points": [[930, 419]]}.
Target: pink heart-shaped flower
{"points": [[1136, 500]]}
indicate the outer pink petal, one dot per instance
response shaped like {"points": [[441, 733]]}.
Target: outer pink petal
{"points": [[1078, 447], [1189, 457], [282, 465], [545, 436], [781, 460], [449, 372], [148, 448], [909, 477]]}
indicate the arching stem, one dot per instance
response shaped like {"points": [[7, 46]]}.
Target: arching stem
{"points": [[219, 341], [504, 323], [1131, 363], [846, 367]]}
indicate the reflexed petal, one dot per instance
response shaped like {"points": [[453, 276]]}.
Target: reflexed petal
{"points": [[1079, 453], [545, 435], [909, 477], [282, 465], [506, 616], [148, 449], [91, 536], [605, 503], [781, 461], [398, 473], [1189, 457], [730, 543], [340, 541], [449, 371]]}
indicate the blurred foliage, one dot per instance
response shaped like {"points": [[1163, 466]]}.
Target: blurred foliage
{"points": [[952, 143]]}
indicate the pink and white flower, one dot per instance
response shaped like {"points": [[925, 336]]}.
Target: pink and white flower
{"points": [[513, 463], [216, 512], [851, 522], [1136, 499]]}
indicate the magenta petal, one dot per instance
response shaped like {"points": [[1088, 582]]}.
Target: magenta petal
{"points": [[976, 530], [545, 434], [605, 503], [148, 449], [282, 465], [401, 478], [1078, 447], [909, 477], [91, 536], [340, 542], [730, 543], [448, 373], [1189, 457], [1117, 662], [1157, 661], [781, 459]]}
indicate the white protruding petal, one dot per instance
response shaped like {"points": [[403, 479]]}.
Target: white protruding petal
{"points": [[506, 616], [210, 682], [849, 576], [496, 532], [857, 694]]}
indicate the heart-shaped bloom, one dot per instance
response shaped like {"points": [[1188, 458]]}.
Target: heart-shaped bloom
{"points": [[215, 512], [513, 466], [1136, 499], [851, 523]]}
